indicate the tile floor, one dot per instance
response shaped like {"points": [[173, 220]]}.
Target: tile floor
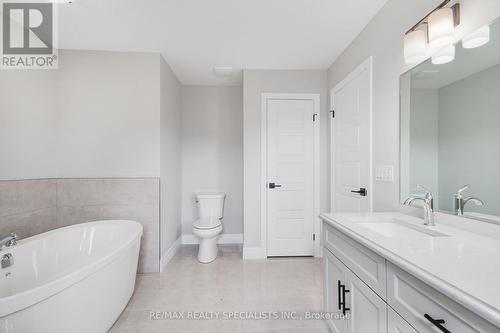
{"points": [[227, 285]]}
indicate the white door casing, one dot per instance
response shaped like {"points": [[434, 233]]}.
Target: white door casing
{"points": [[291, 159], [351, 141]]}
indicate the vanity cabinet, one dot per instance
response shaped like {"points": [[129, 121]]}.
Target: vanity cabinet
{"points": [[357, 307], [378, 297], [396, 323], [428, 310]]}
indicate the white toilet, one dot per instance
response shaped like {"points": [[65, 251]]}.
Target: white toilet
{"points": [[208, 226]]}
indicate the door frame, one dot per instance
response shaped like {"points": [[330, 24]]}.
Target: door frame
{"points": [[316, 177], [365, 65]]}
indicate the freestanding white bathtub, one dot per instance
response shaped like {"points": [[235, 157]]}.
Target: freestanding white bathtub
{"points": [[70, 280]]}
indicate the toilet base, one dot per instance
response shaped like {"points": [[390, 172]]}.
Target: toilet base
{"points": [[208, 250]]}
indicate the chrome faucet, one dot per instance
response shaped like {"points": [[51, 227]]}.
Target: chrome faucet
{"points": [[460, 202], [8, 241], [428, 203]]}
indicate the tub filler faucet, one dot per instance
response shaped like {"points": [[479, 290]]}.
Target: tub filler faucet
{"points": [[8, 241], [7, 260]]}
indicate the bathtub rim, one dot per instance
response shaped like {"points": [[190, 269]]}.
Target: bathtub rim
{"points": [[17, 302]]}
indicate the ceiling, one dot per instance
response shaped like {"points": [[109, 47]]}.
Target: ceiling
{"points": [[194, 36]]}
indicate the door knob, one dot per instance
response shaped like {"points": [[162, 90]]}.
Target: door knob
{"points": [[362, 192], [274, 185]]}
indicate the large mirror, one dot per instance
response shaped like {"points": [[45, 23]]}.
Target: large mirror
{"points": [[450, 131]]}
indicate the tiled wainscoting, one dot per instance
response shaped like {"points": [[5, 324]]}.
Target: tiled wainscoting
{"points": [[30, 207]]}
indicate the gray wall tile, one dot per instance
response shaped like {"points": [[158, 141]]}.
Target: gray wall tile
{"points": [[30, 207], [108, 191]]}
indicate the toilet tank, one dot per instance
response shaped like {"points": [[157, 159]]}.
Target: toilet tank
{"points": [[210, 205]]}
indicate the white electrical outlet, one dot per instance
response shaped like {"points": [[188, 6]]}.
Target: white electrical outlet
{"points": [[384, 173]]}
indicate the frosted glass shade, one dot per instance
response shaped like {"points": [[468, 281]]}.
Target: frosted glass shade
{"points": [[415, 47], [445, 55], [478, 38], [441, 28]]}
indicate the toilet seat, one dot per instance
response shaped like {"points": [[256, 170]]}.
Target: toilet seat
{"points": [[206, 224]]}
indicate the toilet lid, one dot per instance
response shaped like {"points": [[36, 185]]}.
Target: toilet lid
{"points": [[207, 223]]}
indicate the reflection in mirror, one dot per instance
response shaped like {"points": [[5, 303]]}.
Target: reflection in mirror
{"points": [[450, 131]]}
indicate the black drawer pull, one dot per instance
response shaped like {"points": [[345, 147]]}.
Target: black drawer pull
{"points": [[438, 323]]}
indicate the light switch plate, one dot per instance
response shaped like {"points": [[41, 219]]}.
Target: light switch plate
{"points": [[384, 173]]}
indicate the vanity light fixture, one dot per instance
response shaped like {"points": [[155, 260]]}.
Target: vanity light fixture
{"points": [[435, 33], [415, 46], [477, 38], [444, 56], [441, 26]]}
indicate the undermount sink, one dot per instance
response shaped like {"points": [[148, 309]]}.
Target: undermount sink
{"points": [[396, 228]]}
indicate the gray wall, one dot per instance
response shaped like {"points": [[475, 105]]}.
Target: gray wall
{"points": [[256, 82], [108, 114], [170, 156], [212, 151], [28, 124], [469, 139]]}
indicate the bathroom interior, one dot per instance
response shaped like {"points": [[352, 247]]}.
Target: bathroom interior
{"points": [[250, 166]]}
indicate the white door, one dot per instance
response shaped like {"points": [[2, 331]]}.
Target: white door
{"points": [[351, 135], [290, 177], [368, 311]]}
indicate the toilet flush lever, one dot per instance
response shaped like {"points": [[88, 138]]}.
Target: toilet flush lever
{"points": [[274, 185]]}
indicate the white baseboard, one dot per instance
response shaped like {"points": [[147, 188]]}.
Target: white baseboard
{"points": [[189, 239], [167, 256], [254, 253]]}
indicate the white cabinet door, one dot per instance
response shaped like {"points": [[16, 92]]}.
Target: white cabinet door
{"points": [[368, 312], [396, 324], [335, 274]]}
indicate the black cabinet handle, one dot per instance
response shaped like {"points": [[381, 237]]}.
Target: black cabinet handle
{"points": [[362, 192], [344, 309], [339, 291], [342, 292], [438, 323], [274, 185]]}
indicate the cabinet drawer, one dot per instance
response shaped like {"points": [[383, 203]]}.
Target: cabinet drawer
{"points": [[413, 299], [367, 265]]}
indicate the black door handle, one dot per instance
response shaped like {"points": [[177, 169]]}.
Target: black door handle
{"points": [[362, 192], [438, 323], [274, 185]]}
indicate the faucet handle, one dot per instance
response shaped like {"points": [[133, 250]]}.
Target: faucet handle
{"points": [[463, 189]]}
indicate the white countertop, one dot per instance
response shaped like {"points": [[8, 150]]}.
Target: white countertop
{"points": [[464, 266]]}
